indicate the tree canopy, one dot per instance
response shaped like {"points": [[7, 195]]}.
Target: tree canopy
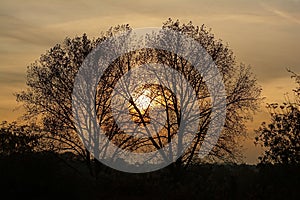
{"points": [[50, 80]]}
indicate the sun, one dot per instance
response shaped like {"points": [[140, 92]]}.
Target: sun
{"points": [[141, 108], [143, 102]]}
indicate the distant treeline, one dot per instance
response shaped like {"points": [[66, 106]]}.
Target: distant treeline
{"points": [[46, 175]]}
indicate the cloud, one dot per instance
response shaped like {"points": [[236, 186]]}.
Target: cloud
{"points": [[13, 78], [281, 13], [21, 31]]}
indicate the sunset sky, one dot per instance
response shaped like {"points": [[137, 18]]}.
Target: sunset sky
{"points": [[263, 34]]}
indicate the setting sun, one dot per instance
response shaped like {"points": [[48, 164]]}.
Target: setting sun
{"points": [[143, 102]]}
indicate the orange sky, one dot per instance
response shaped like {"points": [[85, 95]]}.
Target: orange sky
{"points": [[264, 34]]}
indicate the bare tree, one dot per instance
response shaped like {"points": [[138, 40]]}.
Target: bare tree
{"points": [[243, 96], [47, 99], [51, 79]]}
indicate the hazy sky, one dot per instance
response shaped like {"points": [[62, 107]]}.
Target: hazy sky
{"points": [[263, 34]]}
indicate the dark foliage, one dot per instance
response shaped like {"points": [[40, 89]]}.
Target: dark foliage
{"points": [[45, 176], [15, 138], [281, 137]]}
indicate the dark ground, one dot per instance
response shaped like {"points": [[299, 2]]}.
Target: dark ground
{"points": [[45, 176]]}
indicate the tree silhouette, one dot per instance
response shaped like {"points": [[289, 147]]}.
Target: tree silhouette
{"points": [[281, 137], [18, 139], [50, 84], [47, 100]]}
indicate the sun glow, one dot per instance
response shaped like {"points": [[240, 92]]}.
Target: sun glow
{"points": [[143, 102]]}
